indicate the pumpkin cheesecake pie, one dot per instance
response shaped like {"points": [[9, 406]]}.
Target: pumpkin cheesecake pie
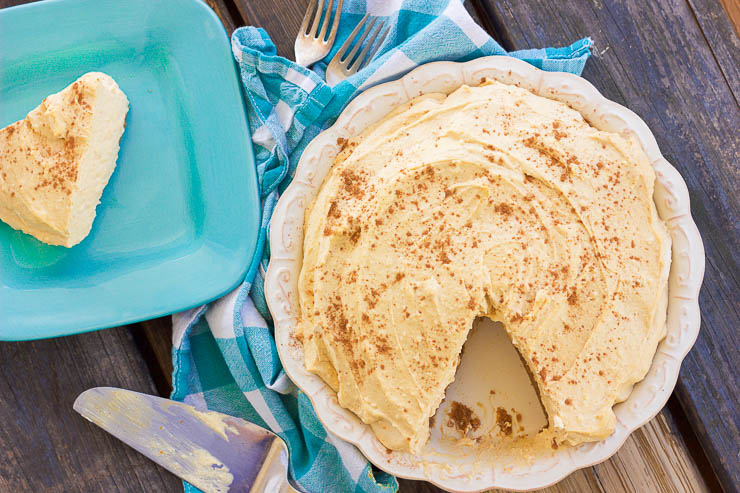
{"points": [[487, 202]]}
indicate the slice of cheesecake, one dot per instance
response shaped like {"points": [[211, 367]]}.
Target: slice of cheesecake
{"points": [[55, 163]]}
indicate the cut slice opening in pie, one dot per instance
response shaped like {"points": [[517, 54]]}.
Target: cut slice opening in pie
{"points": [[494, 398]]}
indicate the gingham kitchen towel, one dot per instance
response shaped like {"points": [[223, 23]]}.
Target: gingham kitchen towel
{"points": [[224, 354]]}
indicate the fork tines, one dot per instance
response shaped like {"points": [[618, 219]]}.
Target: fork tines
{"points": [[368, 35], [315, 39], [357, 39], [320, 19]]}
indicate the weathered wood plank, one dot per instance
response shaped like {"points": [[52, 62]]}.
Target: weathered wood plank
{"points": [[224, 10], [46, 445], [282, 27], [654, 58], [722, 37], [157, 333], [154, 340], [732, 7]]}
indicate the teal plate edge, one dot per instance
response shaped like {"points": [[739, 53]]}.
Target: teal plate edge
{"points": [[209, 254]]}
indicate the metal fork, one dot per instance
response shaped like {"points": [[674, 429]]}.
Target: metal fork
{"points": [[310, 44], [345, 64]]}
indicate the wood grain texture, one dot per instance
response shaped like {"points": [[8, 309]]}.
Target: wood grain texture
{"points": [[654, 57], [655, 458], [732, 8], [224, 10], [280, 19], [154, 340], [722, 38], [44, 444]]}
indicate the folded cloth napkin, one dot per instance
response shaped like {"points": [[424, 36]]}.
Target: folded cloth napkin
{"points": [[224, 354]]}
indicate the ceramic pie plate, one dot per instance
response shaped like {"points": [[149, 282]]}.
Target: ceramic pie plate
{"points": [[465, 469]]}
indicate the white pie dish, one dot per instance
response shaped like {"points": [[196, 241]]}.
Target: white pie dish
{"points": [[461, 472]]}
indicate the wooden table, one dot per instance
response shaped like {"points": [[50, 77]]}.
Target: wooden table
{"points": [[674, 62]]}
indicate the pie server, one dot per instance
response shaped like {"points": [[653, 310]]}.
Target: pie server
{"points": [[210, 450]]}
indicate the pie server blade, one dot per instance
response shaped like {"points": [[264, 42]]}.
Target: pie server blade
{"points": [[213, 451]]}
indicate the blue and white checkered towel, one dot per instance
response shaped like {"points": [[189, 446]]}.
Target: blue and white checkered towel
{"points": [[224, 354]]}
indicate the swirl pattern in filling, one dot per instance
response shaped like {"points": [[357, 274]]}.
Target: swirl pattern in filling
{"points": [[490, 202]]}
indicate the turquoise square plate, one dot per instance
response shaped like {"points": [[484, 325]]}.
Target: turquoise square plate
{"points": [[178, 222]]}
